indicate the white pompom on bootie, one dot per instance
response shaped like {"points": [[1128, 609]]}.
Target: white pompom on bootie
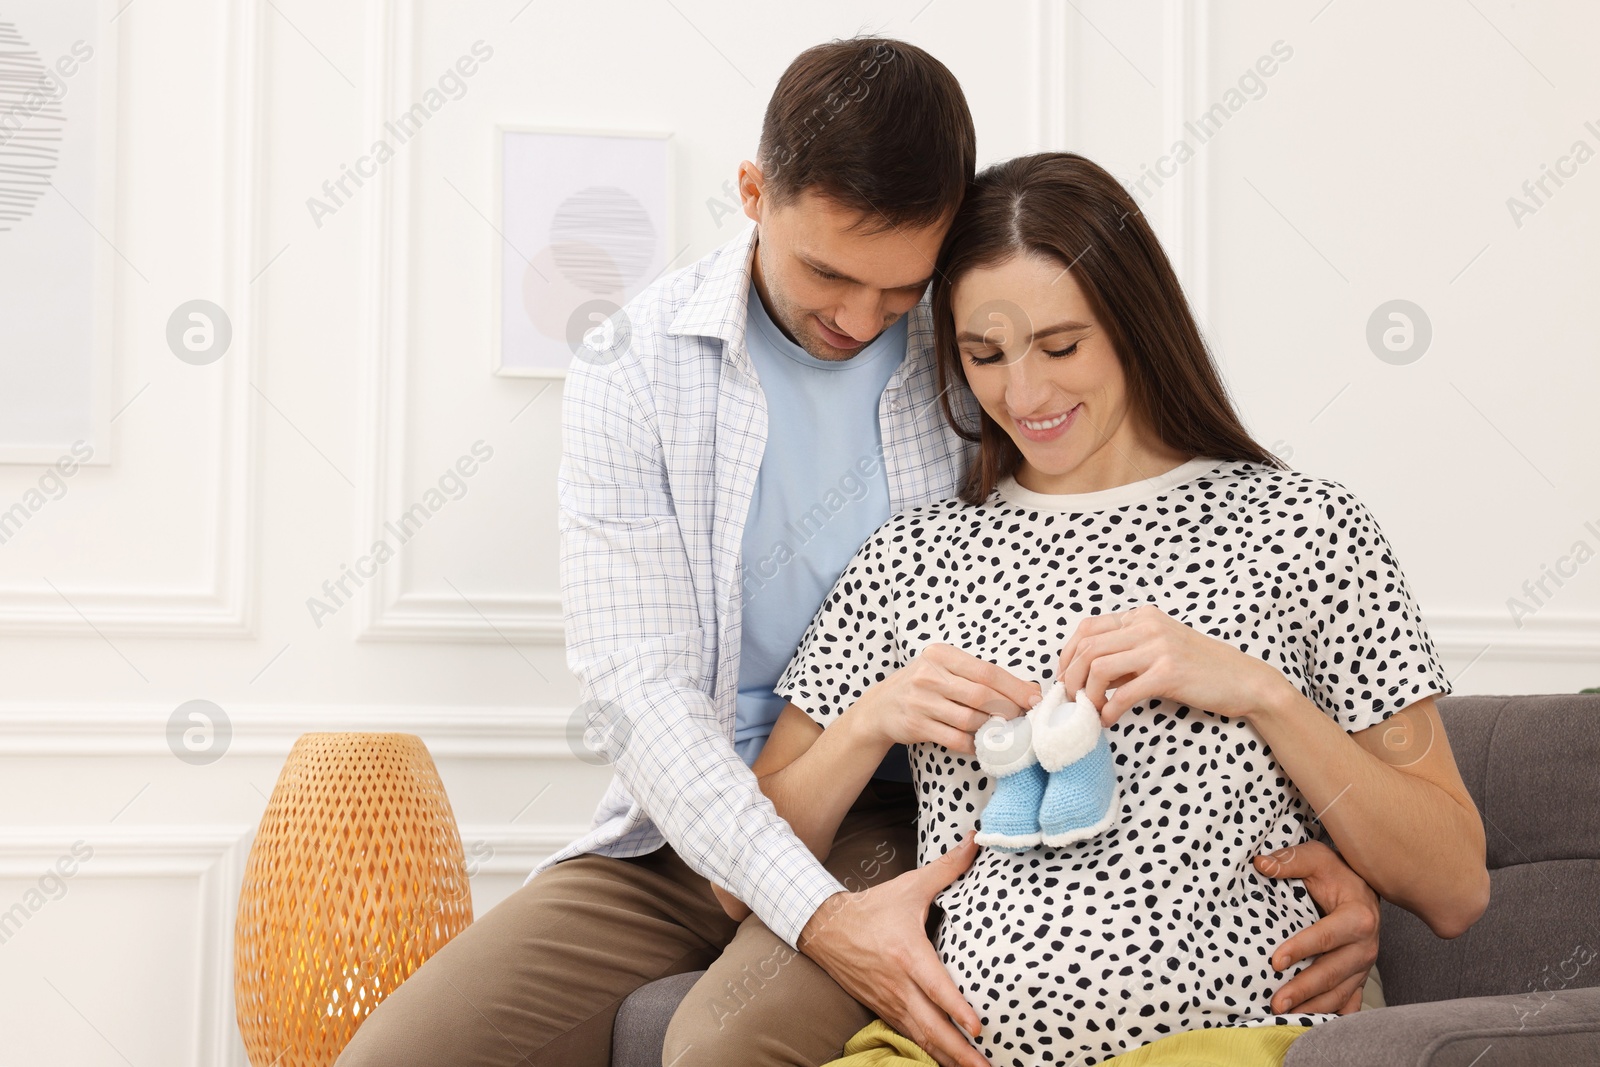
{"points": [[1081, 798]]}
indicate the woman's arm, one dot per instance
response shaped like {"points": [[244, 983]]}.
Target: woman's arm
{"points": [[813, 776], [943, 696], [1393, 800], [1406, 825]]}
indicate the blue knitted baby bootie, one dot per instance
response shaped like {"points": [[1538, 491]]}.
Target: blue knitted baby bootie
{"points": [[1010, 821], [1081, 798]]}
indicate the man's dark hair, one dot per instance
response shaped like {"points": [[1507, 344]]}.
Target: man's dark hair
{"points": [[875, 125]]}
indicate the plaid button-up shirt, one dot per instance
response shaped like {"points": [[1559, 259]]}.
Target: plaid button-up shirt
{"points": [[662, 441]]}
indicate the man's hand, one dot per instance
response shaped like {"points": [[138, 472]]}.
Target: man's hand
{"points": [[1344, 940], [875, 945]]}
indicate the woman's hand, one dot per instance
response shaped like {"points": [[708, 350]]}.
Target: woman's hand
{"points": [[1145, 653], [943, 696]]}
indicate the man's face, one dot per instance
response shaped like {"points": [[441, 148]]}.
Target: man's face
{"points": [[832, 288]]}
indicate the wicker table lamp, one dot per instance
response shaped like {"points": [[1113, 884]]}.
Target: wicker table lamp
{"points": [[355, 878]]}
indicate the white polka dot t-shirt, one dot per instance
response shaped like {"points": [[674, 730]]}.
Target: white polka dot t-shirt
{"points": [[1160, 924]]}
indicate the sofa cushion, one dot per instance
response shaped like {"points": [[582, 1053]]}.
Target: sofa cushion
{"points": [[1529, 763], [640, 1031], [1513, 1031]]}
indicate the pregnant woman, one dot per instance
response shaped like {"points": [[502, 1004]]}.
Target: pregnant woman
{"points": [[1120, 531]]}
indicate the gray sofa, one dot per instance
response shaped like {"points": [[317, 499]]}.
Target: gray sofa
{"points": [[1525, 980], [1521, 988]]}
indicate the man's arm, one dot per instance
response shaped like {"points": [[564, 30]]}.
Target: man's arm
{"points": [[873, 943], [637, 641]]}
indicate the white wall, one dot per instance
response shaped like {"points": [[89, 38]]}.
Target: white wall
{"points": [[1375, 165]]}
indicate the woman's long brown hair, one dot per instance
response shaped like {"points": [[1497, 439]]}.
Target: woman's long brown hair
{"points": [[1063, 207]]}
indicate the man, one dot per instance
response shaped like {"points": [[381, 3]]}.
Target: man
{"points": [[752, 419]]}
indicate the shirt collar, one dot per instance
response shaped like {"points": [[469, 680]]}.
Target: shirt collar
{"points": [[718, 308]]}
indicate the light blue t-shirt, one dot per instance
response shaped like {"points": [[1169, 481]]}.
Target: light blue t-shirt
{"points": [[820, 493]]}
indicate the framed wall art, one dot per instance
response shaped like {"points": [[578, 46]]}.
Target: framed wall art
{"points": [[586, 223], [58, 252]]}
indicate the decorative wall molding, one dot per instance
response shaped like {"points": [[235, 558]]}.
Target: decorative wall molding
{"points": [[1544, 637], [215, 857], [225, 606], [1185, 208], [513, 850], [419, 617], [212, 855], [494, 732], [387, 611], [1184, 198], [1055, 87], [119, 851], [139, 729]]}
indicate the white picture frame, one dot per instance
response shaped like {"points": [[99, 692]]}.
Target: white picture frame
{"points": [[59, 261], [585, 222]]}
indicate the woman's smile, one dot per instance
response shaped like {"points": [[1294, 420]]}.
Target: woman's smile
{"points": [[1042, 430], [1024, 363]]}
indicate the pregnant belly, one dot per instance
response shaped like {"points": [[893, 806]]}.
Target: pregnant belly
{"points": [[1069, 961]]}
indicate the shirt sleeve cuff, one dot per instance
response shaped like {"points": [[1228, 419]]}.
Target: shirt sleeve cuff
{"points": [[802, 884]]}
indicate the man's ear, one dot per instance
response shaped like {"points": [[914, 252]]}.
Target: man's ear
{"points": [[752, 186]]}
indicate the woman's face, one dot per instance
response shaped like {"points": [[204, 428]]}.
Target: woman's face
{"points": [[1044, 370]]}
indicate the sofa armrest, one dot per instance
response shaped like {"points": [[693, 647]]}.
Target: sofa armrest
{"points": [[1524, 1029]]}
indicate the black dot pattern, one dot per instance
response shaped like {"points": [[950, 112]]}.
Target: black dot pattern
{"points": [[1160, 924]]}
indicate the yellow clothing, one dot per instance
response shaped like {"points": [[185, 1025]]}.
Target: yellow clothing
{"points": [[1223, 1046], [877, 1045]]}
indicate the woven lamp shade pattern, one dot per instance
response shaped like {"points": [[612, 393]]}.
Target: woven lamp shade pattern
{"points": [[355, 878]]}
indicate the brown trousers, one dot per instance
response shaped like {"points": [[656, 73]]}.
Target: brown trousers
{"points": [[539, 978]]}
